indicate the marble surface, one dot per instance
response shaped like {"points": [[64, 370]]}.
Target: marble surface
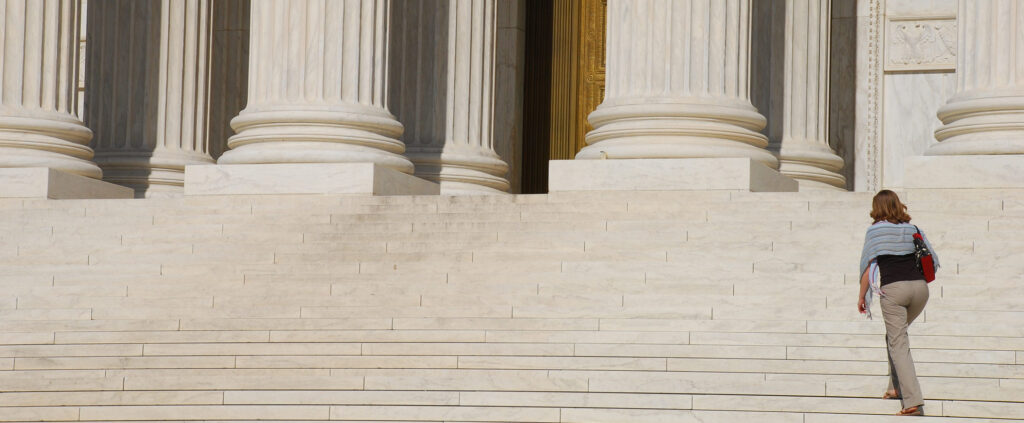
{"points": [[303, 178], [46, 183], [737, 174], [911, 100], [969, 171]]}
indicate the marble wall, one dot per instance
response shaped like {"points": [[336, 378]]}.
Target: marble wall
{"points": [[906, 54], [918, 64]]}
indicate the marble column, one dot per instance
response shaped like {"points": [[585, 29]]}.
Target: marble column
{"points": [[678, 83], [229, 61], [317, 86], [148, 69], [39, 126], [986, 115], [800, 134], [443, 91]]}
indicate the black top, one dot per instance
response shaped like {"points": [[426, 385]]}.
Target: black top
{"points": [[898, 268]]}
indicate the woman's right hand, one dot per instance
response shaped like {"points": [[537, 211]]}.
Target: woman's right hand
{"points": [[860, 305]]}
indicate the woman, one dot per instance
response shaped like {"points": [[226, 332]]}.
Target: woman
{"points": [[889, 243]]}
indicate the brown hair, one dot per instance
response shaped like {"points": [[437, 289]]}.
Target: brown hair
{"points": [[887, 206]]}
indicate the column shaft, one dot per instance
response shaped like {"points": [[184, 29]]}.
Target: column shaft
{"points": [[39, 126], [148, 68], [317, 86], [801, 138], [677, 83], [444, 71], [229, 71], [986, 115]]}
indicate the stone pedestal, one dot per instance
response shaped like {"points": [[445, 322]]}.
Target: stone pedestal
{"points": [[730, 174], [443, 92], [317, 87], [38, 74], [304, 178], [48, 183], [981, 140], [678, 84], [799, 131], [147, 96]]}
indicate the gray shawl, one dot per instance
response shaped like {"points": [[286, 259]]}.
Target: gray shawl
{"points": [[884, 238]]}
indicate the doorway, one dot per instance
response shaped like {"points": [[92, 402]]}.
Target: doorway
{"points": [[564, 81]]}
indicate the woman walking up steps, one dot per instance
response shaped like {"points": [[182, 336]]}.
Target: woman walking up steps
{"points": [[889, 260]]}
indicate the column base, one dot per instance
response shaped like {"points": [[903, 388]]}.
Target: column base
{"points": [[697, 174], [46, 183], [303, 178], [988, 171]]}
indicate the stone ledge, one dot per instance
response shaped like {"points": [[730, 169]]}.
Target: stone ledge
{"points": [[303, 178], [995, 171], [697, 174], [43, 182]]}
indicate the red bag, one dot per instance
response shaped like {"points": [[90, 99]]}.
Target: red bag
{"points": [[924, 257]]}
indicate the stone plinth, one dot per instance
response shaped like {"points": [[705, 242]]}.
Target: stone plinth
{"points": [[734, 174], [42, 182], [303, 178], [970, 171]]}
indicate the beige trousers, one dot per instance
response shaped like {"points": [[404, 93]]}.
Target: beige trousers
{"points": [[901, 303]]}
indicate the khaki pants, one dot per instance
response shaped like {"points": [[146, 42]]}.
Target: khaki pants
{"points": [[901, 303]]}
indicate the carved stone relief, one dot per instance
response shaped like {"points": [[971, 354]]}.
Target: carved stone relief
{"points": [[920, 44]]}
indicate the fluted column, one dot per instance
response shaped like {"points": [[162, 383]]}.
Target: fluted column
{"points": [[986, 115], [677, 83], [229, 69], [801, 137], [444, 71], [148, 69], [39, 126], [317, 86]]}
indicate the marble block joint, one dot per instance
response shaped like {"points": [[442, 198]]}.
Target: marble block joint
{"points": [[49, 183], [733, 174], [303, 178]]}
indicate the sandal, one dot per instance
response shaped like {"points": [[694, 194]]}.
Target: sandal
{"points": [[891, 395], [917, 410]]}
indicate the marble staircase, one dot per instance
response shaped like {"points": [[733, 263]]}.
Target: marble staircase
{"points": [[569, 307]]}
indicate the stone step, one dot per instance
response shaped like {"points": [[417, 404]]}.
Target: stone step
{"points": [[611, 306]]}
